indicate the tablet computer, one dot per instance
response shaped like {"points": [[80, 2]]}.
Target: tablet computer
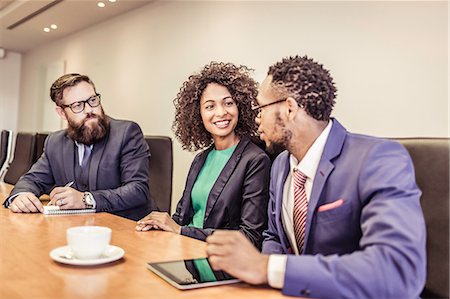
{"points": [[191, 274]]}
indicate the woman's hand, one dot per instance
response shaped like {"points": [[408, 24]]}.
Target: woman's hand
{"points": [[158, 220]]}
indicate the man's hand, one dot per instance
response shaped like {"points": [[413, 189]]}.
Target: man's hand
{"points": [[26, 202], [158, 220], [67, 198], [233, 253]]}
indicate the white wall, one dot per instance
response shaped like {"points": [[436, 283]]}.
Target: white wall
{"points": [[389, 60], [9, 90]]}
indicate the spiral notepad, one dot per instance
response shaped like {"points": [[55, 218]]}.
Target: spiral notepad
{"points": [[55, 210]]}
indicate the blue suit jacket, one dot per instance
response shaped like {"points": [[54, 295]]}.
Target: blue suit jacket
{"points": [[373, 245], [118, 171]]}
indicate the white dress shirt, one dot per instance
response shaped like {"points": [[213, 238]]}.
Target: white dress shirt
{"points": [[308, 165]]}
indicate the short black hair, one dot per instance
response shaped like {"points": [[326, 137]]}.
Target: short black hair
{"points": [[307, 82]]}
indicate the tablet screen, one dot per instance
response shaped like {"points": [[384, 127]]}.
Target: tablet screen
{"points": [[189, 274]]}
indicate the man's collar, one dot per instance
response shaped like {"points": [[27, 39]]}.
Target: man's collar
{"points": [[308, 165]]}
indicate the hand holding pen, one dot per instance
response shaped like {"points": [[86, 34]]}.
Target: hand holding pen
{"points": [[58, 195]]}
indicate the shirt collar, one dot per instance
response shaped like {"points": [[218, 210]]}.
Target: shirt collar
{"points": [[81, 145], [308, 165]]}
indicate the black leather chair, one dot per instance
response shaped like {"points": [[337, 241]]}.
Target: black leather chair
{"points": [[161, 171], [40, 140], [431, 162], [24, 155], [5, 150]]}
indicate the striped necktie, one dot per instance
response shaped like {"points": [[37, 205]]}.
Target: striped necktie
{"points": [[300, 208]]}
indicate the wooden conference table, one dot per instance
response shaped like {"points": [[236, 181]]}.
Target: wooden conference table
{"points": [[27, 271]]}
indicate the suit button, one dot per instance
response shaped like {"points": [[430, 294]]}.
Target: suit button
{"points": [[305, 292]]}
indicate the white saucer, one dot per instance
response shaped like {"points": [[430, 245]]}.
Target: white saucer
{"points": [[111, 254]]}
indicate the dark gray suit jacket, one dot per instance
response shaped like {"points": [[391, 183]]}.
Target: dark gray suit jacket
{"points": [[238, 199], [118, 171]]}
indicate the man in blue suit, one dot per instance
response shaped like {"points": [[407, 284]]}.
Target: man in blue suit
{"points": [[344, 214], [96, 163]]}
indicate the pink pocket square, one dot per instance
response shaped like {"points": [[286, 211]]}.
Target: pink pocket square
{"points": [[331, 205]]}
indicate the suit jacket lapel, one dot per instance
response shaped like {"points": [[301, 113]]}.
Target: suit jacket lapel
{"points": [[224, 176], [281, 179], [332, 149], [68, 158]]}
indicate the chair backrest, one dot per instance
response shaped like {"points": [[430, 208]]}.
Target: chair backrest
{"points": [[3, 146], [24, 152], [430, 157], [5, 150], [161, 171], [40, 140]]}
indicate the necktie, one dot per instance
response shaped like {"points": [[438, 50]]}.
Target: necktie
{"points": [[300, 208], [87, 155]]}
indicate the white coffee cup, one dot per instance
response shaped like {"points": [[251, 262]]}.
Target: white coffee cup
{"points": [[88, 242]]}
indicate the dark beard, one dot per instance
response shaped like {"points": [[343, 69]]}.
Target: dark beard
{"points": [[276, 147], [87, 135]]}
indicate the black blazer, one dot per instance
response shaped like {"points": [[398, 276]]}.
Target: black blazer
{"points": [[238, 200]]}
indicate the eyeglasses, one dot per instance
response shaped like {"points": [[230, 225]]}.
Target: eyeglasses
{"points": [[78, 107], [258, 108]]}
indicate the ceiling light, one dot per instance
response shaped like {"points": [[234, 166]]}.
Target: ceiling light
{"points": [[53, 26], [46, 29], [112, 1], [101, 4]]}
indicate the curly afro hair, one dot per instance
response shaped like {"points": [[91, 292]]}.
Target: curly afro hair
{"points": [[307, 82], [188, 125]]}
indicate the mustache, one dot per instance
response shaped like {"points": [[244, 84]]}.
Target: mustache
{"points": [[90, 115]]}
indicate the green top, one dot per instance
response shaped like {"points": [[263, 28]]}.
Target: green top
{"points": [[208, 175], [204, 270]]}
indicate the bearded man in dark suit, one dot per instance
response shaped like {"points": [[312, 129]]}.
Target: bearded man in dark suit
{"points": [[97, 162]]}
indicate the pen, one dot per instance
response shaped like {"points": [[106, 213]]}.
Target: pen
{"points": [[66, 185]]}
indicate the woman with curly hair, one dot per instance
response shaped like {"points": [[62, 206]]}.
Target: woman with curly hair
{"points": [[227, 184]]}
